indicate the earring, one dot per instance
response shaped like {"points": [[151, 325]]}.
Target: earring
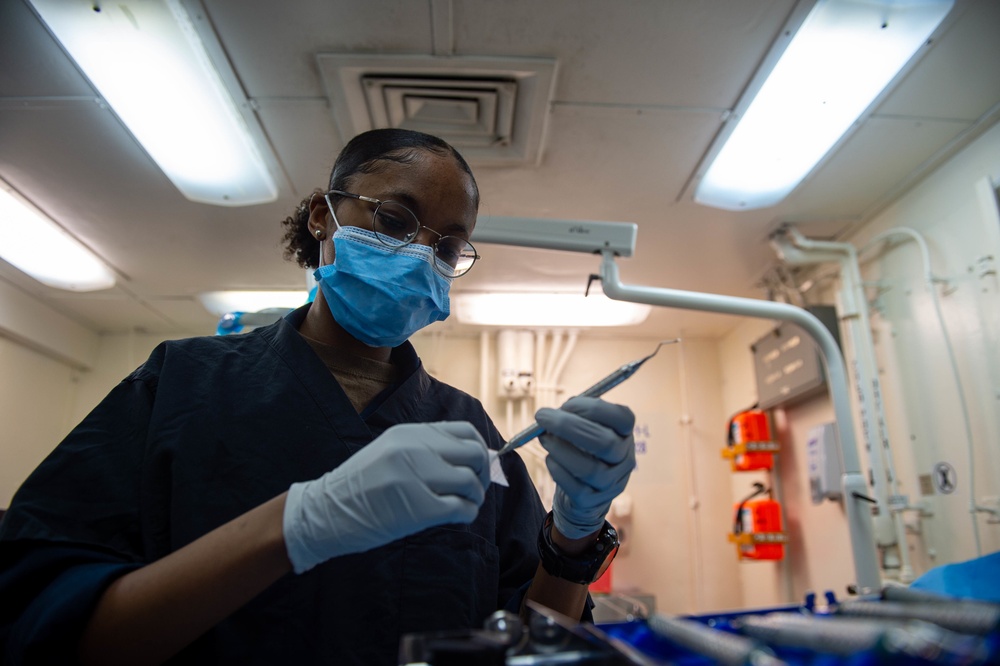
{"points": [[319, 234]]}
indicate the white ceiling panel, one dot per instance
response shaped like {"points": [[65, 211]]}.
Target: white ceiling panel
{"points": [[879, 159], [273, 44], [603, 163], [958, 79], [656, 40], [116, 312], [641, 90], [305, 139]]}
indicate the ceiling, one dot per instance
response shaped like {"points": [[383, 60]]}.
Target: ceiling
{"points": [[639, 91]]}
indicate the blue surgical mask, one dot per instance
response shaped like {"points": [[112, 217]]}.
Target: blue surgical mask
{"points": [[382, 295]]}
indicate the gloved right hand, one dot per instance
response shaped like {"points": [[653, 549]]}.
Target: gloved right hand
{"points": [[413, 476], [591, 455]]}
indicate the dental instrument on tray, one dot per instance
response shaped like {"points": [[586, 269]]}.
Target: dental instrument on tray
{"points": [[598, 389]]}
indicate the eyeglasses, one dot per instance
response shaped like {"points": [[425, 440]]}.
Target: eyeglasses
{"points": [[395, 225]]}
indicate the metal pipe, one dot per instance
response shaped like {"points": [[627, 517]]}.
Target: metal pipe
{"points": [[866, 569], [929, 279], [794, 248], [889, 528]]}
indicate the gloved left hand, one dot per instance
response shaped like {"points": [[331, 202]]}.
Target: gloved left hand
{"points": [[591, 455], [411, 477]]}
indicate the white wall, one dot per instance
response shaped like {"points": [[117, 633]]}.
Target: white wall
{"points": [[955, 209], [36, 396], [117, 356], [42, 399], [680, 492]]}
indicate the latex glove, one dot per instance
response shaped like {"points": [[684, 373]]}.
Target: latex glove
{"points": [[412, 477], [591, 455]]}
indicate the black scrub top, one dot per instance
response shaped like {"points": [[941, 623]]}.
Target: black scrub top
{"points": [[207, 429]]}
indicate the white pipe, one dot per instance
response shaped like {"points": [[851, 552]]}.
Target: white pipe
{"points": [[561, 365], [510, 416], [785, 569], [931, 287], [693, 499], [550, 362], [484, 367], [856, 507], [548, 381], [541, 381], [889, 526], [540, 341]]}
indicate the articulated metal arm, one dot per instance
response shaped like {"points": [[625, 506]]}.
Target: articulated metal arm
{"points": [[859, 521]]}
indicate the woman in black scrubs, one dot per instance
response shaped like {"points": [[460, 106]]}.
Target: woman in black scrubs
{"points": [[306, 492]]}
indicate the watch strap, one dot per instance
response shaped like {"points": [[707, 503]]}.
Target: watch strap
{"points": [[584, 568]]}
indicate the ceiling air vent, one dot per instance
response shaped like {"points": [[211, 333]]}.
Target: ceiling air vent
{"points": [[493, 110], [464, 112]]}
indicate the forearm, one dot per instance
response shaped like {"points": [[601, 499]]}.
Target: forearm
{"points": [[556, 593], [150, 614]]}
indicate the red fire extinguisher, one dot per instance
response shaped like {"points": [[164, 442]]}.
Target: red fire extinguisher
{"points": [[757, 530], [749, 444]]}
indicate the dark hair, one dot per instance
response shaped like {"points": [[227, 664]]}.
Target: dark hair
{"points": [[366, 153]]}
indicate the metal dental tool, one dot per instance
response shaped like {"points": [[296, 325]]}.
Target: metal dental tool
{"points": [[598, 389]]}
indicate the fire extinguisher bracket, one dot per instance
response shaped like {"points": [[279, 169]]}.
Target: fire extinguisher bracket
{"points": [[751, 538], [731, 452], [758, 546], [750, 456]]}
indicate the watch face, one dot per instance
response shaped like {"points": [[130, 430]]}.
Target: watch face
{"points": [[607, 560], [584, 568]]}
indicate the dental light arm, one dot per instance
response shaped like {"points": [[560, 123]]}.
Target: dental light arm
{"points": [[611, 239], [866, 568], [572, 235]]}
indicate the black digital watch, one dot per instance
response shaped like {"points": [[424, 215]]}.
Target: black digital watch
{"points": [[584, 568]]}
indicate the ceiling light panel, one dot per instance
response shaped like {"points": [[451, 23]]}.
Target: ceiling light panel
{"points": [[838, 62], [163, 73], [546, 310], [225, 302], [36, 245]]}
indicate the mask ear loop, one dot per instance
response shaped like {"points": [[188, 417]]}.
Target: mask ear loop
{"points": [[329, 207]]}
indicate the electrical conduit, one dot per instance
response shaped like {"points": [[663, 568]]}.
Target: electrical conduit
{"points": [[931, 287], [890, 529]]}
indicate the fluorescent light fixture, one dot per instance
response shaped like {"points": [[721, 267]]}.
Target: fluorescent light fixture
{"points": [[148, 61], [33, 243], [838, 62], [546, 310], [225, 302]]}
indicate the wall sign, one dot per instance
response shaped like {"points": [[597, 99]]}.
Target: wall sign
{"points": [[641, 435]]}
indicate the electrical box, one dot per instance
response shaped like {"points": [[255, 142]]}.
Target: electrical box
{"points": [[825, 468], [788, 364]]}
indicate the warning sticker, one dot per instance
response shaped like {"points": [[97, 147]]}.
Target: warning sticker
{"points": [[945, 478]]}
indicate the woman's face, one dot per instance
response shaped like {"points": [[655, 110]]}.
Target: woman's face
{"points": [[434, 187]]}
